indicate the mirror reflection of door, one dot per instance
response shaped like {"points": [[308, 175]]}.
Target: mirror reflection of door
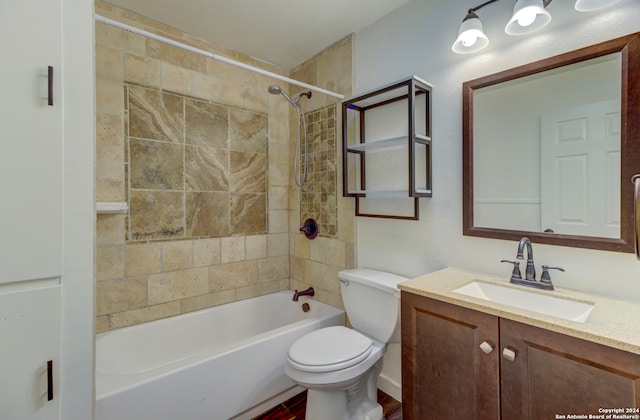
{"points": [[580, 170]]}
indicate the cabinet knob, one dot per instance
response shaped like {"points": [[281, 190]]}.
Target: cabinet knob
{"points": [[486, 347], [509, 354]]}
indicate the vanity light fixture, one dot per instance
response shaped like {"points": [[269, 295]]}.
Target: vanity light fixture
{"points": [[528, 16], [591, 5], [471, 37]]}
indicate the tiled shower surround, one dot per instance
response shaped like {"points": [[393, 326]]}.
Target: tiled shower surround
{"points": [[196, 168], [202, 154]]}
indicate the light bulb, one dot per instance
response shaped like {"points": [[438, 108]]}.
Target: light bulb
{"points": [[468, 39], [526, 17]]}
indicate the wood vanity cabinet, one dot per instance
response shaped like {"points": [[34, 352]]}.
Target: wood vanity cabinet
{"points": [[453, 367]]}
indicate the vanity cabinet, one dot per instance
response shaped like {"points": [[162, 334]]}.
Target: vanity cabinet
{"points": [[461, 363], [386, 136]]}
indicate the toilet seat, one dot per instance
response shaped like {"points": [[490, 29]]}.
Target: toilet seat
{"points": [[329, 349]]}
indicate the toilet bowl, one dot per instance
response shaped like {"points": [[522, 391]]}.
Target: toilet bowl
{"points": [[340, 366]]}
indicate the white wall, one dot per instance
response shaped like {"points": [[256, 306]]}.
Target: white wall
{"points": [[416, 39]]}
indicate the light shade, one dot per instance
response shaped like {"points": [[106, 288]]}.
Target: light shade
{"points": [[590, 5], [528, 16], [471, 37]]}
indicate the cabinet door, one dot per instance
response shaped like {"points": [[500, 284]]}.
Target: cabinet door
{"points": [[29, 338], [554, 374], [445, 373], [31, 141]]}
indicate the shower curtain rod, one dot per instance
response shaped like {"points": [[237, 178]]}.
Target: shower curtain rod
{"points": [[135, 30]]}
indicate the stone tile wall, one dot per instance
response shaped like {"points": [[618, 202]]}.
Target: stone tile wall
{"points": [[183, 139], [150, 272]]}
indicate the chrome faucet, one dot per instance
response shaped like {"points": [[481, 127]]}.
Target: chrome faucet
{"points": [[306, 292], [530, 273]]}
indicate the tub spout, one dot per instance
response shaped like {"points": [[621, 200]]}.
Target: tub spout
{"points": [[306, 292]]}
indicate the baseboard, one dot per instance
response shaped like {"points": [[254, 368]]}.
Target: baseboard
{"points": [[390, 387]]}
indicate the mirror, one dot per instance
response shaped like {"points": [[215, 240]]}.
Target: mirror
{"points": [[549, 149]]}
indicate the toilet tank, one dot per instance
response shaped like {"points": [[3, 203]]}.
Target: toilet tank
{"points": [[372, 301]]}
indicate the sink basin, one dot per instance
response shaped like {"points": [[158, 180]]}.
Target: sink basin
{"points": [[522, 299]]}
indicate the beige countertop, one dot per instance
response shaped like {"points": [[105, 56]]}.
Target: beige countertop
{"points": [[614, 323]]}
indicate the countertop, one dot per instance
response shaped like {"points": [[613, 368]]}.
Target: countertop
{"points": [[614, 323]]}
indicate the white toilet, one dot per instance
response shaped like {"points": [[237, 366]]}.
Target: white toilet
{"points": [[340, 366]]}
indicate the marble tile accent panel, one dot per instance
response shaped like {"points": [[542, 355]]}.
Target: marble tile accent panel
{"points": [[318, 196], [206, 124], [248, 213], [248, 172], [156, 165], [248, 131], [156, 215], [207, 214], [206, 168], [155, 115]]}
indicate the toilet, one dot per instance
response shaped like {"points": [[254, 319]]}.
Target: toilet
{"points": [[340, 366]]}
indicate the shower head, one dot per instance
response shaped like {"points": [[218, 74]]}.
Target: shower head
{"points": [[277, 90]]}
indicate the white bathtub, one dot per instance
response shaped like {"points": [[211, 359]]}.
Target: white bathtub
{"points": [[217, 363]]}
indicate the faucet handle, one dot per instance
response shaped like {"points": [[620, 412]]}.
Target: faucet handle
{"points": [[515, 274], [546, 278]]}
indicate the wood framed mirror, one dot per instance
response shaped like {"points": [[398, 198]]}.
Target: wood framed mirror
{"points": [[519, 177]]}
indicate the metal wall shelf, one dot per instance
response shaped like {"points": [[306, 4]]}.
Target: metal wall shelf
{"points": [[362, 137]]}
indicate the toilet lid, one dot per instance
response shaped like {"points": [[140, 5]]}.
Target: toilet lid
{"points": [[329, 349]]}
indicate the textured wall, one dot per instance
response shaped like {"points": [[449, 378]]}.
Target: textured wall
{"points": [[416, 39]]}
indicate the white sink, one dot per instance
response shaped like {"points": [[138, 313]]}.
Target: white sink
{"points": [[535, 302]]}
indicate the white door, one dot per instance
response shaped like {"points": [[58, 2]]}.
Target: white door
{"points": [[580, 170], [31, 140]]}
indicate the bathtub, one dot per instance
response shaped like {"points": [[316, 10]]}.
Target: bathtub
{"points": [[218, 363]]}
